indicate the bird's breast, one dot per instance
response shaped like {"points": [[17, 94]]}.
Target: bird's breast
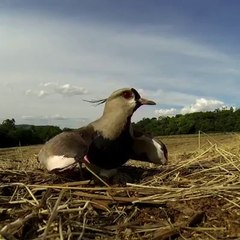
{"points": [[109, 154]]}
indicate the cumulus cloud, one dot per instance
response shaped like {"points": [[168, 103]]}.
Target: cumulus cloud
{"points": [[51, 88], [43, 93], [166, 112], [47, 84], [38, 93], [203, 105], [200, 105], [68, 90]]}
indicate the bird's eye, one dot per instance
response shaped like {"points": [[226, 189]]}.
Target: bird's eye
{"points": [[127, 94]]}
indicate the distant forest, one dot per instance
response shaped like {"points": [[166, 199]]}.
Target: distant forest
{"points": [[209, 122], [21, 135]]}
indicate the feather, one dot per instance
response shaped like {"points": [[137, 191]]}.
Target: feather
{"points": [[96, 102]]}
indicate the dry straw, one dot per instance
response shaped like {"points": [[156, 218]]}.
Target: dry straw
{"points": [[196, 198]]}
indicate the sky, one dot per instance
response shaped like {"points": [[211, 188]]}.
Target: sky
{"points": [[183, 54]]}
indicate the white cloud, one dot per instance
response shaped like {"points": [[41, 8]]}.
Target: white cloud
{"points": [[166, 112], [200, 105], [54, 88], [38, 93], [43, 93], [47, 84], [203, 105], [68, 90]]}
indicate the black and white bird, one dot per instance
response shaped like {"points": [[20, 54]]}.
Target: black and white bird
{"points": [[106, 143]]}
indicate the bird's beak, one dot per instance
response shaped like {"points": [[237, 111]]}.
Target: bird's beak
{"points": [[144, 101]]}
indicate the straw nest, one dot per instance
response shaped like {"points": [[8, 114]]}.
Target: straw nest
{"points": [[196, 198]]}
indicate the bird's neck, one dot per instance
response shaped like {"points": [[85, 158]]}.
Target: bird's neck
{"points": [[112, 125]]}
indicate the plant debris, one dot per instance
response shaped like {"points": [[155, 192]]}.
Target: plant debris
{"points": [[197, 197]]}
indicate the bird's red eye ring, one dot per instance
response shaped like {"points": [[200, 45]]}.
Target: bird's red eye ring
{"points": [[127, 94]]}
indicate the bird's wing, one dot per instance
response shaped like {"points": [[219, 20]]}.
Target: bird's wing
{"points": [[63, 150], [149, 149]]}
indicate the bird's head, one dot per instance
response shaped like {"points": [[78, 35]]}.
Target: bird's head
{"points": [[127, 100], [118, 109]]}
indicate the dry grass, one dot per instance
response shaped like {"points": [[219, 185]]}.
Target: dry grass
{"points": [[195, 196], [19, 158]]}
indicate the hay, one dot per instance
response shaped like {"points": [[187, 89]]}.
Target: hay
{"points": [[195, 198]]}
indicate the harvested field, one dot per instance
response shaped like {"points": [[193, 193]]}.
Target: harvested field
{"points": [[195, 196]]}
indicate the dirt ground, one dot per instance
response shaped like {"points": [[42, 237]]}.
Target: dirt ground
{"points": [[195, 196]]}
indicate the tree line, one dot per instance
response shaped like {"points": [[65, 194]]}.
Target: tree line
{"points": [[209, 122], [21, 135]]}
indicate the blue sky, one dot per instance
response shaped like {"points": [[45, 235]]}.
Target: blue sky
{"points": [[185, 55]]}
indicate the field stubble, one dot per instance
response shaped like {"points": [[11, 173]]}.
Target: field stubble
{"points": [[195, 196]]}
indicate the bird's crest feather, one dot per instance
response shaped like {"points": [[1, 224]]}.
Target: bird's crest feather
{"points": [[96, 102]]}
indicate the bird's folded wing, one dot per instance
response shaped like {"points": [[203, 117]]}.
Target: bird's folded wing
{"points": [[63, 150], [149, 149]]}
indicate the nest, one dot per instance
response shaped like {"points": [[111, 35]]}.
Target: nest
{"points": [[194, 198]]}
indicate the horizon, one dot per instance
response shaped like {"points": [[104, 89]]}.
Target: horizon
{"points": [[52, 123]]}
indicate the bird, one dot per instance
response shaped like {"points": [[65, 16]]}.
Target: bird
{"points": [[106, 143]]}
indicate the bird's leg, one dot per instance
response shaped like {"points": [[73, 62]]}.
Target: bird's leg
{"points": [[90, 167], [96, 175], [80, 163], [81, 170]]}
